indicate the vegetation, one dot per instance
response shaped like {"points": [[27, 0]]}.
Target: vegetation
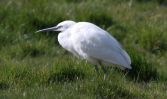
{"points": [[34, 66]]}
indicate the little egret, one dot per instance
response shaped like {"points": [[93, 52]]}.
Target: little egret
{"points": [[90, 42]]}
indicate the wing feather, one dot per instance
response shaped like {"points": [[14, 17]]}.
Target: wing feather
{"points": [[92, 41]]}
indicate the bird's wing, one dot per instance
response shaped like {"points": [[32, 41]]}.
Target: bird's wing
{"points": [[97, 43]]}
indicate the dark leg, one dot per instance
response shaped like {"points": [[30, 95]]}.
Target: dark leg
{"points": [[97, 69], [104, 69], [106, 73]]}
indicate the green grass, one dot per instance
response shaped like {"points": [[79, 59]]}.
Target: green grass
{"points": [[34, 66]]}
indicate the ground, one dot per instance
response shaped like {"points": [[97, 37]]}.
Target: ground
{"points": [[34, 66]]}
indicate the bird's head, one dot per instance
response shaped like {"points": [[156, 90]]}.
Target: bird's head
{"points": [[62, 26]]}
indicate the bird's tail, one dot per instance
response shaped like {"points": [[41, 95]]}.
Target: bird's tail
{"points": [[127, 58]]}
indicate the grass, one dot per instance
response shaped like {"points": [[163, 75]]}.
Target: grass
{"points": [[33, 65]]}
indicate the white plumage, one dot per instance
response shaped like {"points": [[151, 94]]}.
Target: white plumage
{"points": [[90, 42]]}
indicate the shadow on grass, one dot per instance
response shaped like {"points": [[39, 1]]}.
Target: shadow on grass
{"points": [[40, 23], [101, 19], [142, 69], [75, 1], [98, 17], [32, 51], [66, 75], [119, 32], [161, 2], [3, 86]]}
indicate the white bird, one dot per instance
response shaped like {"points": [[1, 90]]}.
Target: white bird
{"points": [[90, 42]]}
